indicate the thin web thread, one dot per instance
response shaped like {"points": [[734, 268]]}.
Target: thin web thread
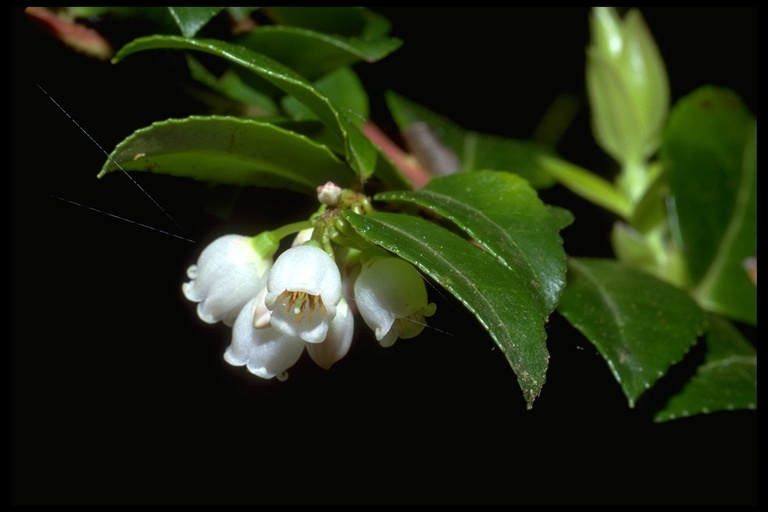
{"points": [[186, 236]]}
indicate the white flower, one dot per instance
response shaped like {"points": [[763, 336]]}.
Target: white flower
{"points": [[269, 353], [338, 340], [303, 290], [266, 352], [392, 299], [230, 271]]}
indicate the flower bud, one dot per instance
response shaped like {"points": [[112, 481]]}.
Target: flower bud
{"points": [[329, 194], [627, 85]]}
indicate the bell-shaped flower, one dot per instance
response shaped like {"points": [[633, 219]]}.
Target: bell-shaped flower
{"points": [[392, 299], [264, 350], [338, 339], [303, 290], [268, 353], [230, 271]]}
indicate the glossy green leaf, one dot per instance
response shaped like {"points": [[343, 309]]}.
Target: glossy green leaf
{"points": [[362, 155], [639, 324], [709, 152], [230, 85], [499, 299], [358, 149], [314, 54], [506, 217], [475, 150], [726, 381], [342, 87], [274, 72], [344, 21], [229, 150], [191, 19]]}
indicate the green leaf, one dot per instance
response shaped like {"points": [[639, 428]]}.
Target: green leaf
{"points": [[561, 218], [640, 324], [230, 150], [274, 72], [503, 213], [191, 19], [314, 54], [499, 299], [230, 85], [342, 87], [631, 247], [357, 147], [344, 21], [709, 150], [475, 150], [361, 153], [726, 381]]}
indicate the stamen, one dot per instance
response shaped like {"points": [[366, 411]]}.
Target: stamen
{"points": [[312, 304], [291, 299], [322, 306], [295, 303]]}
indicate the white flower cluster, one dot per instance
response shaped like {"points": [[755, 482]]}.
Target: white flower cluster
{"points": [[277, 309]]}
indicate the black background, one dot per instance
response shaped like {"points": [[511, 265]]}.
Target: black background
{"points": [[120, 394]]}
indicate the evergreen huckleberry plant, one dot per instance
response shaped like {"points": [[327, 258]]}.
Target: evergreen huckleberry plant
{"points": [[463, 207], [367, 209]]}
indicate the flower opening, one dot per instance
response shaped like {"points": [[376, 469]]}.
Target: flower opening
{"points": [[267, 352], [303, 290]]}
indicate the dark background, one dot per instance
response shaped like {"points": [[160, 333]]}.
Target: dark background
{"points": [[120, 394]]}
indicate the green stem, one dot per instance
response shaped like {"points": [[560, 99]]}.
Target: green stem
{"points": [[634, 180], [290, 229], [590, 186]]}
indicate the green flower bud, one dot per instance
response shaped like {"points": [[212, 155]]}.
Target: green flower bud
{"points": [[627, 85]]}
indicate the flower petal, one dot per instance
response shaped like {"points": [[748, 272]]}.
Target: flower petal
{"points": [[303, 289], [392, 299], [305, 268], [228, 273], [338, 340], [266, 352]]}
